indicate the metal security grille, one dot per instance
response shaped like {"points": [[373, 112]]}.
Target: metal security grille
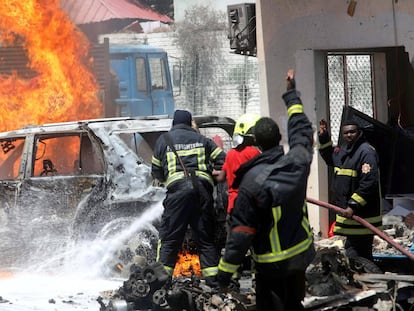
{"points": [[350, 82], [218, 82], [231, 89]]}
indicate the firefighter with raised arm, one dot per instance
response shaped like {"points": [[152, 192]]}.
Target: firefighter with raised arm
{"points": [[270, 213]]}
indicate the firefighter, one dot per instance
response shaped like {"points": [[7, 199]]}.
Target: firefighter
{"points": [[242, 151], [356, 185], [270, 212], [184, 160]]}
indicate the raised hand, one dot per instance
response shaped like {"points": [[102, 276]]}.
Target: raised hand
{"points": [[290, 78], [323, 126]]}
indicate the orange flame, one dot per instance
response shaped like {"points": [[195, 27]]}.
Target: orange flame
{"points": [[187, 265], [64, 89]]}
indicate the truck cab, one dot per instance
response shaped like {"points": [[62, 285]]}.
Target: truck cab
{"points": [[143, 74]]}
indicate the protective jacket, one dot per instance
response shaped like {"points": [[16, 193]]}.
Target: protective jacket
{"points": [[198, 153], [270, 213], [356, 183]]}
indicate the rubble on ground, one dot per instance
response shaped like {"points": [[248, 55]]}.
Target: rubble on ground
{"points": [[333, 281], [337, 281], [395, 227], [150, 288]]}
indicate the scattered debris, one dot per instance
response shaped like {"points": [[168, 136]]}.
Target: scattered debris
{"points": [[149, 287], [335, 280], [395, 227]]}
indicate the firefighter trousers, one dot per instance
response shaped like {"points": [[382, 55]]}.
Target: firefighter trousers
{"points": [[185, 206]]}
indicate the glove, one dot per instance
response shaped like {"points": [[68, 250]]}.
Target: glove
{"points": [[348, 212], [353, 204]]}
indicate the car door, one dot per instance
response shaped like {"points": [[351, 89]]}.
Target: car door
{"points": [[63, 170], [161, 88], [135, 97], [11, 173], [13, 151]]}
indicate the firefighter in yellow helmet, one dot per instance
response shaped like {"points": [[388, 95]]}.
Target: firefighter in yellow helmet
{"points": [[242, 151]]}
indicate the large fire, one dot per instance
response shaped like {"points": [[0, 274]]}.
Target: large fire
{"points": [[64, 89]]}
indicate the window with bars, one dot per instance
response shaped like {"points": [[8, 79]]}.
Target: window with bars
{"points": [[350, 83]]}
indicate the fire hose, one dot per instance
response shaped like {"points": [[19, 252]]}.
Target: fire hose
{"points": [[366, 224]]}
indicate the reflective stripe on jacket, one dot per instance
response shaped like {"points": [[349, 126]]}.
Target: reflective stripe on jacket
{"points": [[270, 212], [356, 181], [197, 152]]}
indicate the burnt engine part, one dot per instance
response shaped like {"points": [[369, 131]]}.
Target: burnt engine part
{"points": [[143, 283], [149, 287]]}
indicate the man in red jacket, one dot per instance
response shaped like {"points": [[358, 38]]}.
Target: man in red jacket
{"points": [[242, 151]]}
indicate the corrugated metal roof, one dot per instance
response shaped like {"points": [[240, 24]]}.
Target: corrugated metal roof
{"points": [[92, 11]]}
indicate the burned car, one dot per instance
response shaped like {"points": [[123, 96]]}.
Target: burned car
{"points": [[67, 181]]}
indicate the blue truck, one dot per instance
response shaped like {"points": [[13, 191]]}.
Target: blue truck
{"points": [[145, 86]]}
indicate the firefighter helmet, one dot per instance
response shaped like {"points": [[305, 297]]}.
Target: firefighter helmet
{"points": [[244, 128]]}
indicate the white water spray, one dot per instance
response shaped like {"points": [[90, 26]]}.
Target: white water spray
{"points": [[91, 259]]}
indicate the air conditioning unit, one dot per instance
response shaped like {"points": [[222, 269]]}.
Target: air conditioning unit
{"points": [[242, 28]]}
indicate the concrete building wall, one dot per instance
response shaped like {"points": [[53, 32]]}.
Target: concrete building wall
{"points": [[292, 34]]}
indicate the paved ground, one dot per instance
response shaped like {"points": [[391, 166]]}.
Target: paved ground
{"points": [[24, 292]]}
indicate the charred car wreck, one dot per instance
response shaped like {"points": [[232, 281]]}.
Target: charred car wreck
{"points": [[78, 180]]}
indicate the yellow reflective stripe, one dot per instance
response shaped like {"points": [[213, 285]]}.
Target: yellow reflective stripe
{"points": [[347, 221], [227, 267], [174, 177], [305, 220], [180, 175], [296, 108], [273, 235], [201, 159], [285, 254], [215, 153], [345, 172], [155, 161], [359, 199], [354, 231], [277, 253], [170, 270], [171, 161], [323, 146], [206, 176], [211, 271], [190, 152]]}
